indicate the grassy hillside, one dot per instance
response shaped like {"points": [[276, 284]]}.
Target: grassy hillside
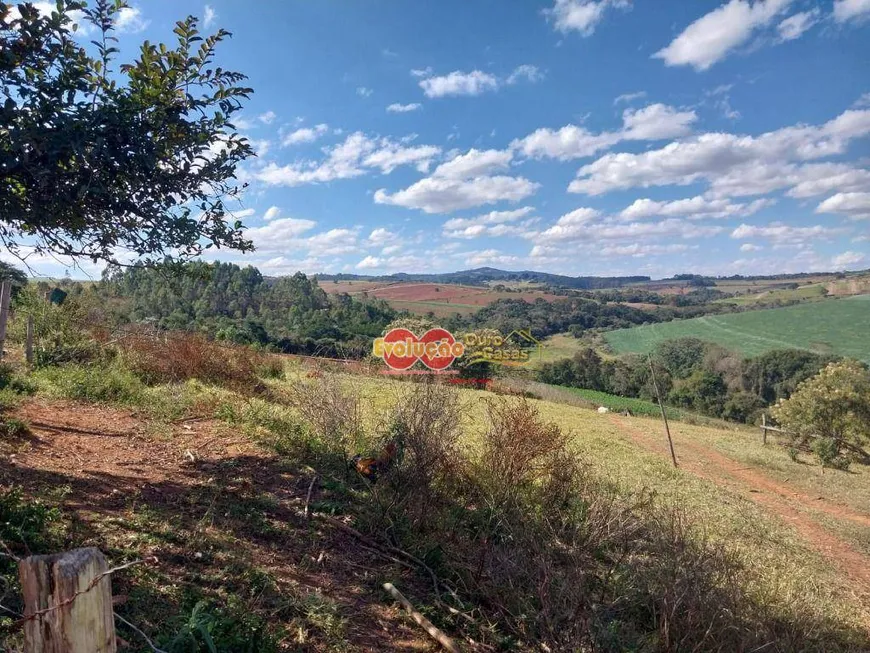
{"points": [[835, 326]]}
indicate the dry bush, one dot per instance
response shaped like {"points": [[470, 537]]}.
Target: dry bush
{"points": [[173, 357], [425, 425], [333, 411]]}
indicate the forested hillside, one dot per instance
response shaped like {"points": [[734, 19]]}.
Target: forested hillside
{"points": [[238, 304]]}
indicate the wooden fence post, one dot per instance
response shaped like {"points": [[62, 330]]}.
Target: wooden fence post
{"points": [[763, 428], [5, 296], [67, 603], [28, 344], [664, 414]]}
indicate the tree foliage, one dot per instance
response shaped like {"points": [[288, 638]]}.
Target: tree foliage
{"points": [[107, 162], [833, 406]]}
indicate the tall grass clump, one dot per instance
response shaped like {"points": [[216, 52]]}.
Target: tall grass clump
{"points": [[174, 357], [529, 540]]}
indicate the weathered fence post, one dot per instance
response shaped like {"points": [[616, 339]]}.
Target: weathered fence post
{"points": [[763, 428], [28, 344], [5, 296], [68, 603]]}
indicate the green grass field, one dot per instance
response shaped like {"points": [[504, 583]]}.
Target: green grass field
{"points": [[615, 403], [832, 326]]}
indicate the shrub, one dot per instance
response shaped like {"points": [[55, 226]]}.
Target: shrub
{"points": [[833, 406], [95, 383], [174, 357]]}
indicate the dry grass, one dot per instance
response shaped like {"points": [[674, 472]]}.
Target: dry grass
{"points": [[173, 357]]}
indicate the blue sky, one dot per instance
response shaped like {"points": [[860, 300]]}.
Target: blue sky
{"points": [[573, 136]]}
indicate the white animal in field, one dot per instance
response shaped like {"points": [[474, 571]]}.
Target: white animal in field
{"points": [[603, 409]]}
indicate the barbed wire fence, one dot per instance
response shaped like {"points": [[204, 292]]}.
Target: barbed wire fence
{"points": [[65, 595]]}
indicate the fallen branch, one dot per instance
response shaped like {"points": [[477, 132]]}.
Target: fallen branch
{"points": [[383, 547], [427, 625], [308, 498]]}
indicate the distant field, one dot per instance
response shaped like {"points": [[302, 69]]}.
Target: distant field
{"points": [[831, 326], [441, 299], [636, 406]]}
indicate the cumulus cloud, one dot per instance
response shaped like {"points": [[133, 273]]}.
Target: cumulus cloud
{"points": [[459, 83], [854, 205], [847, 260], [494, 223], [208, 17], [654, 122], [581, 16], [734, 164], [404, 108], [305, 135], [583, 227], [715, 35], [267, 118], [750, 247], [694, 208], [370, 263], [280, 234], [782, 234], [489, 257], [356, 156], [444, 195], [846, 10], [474, 163]]}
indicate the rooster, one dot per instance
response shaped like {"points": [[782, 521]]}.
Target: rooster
{"points": [[372, 468]]}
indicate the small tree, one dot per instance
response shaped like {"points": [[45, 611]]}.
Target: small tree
{"points": [[834, 405], [96, 161]]}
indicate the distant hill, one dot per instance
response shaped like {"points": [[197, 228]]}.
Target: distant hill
{"points": [[482, 276]]}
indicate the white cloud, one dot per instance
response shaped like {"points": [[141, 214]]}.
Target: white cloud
{"points": [[474, 163], [279, 235], [738, 165], [750, 247], [444, 195], [582, 227], [847, 260], [209, 16], [370, 263], [636, 250], [794, 26], [654, 122], [846, 10], [629, 97], [581, 16], [694, 208], [392, 155], [267, 118], [422, 72], [364, 91], [354, 157], [862, 102], [489, 257], [494, 223], [305, 135], [271, 213], [381, 236], [459, 83], [569, 142], [782, 234], [404, 108], [854, 205], [713, 36], [130, 21], [525, 72], [334, 242]]}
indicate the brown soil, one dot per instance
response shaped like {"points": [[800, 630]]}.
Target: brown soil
{"points": [[787, 503], [112, 461]]}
